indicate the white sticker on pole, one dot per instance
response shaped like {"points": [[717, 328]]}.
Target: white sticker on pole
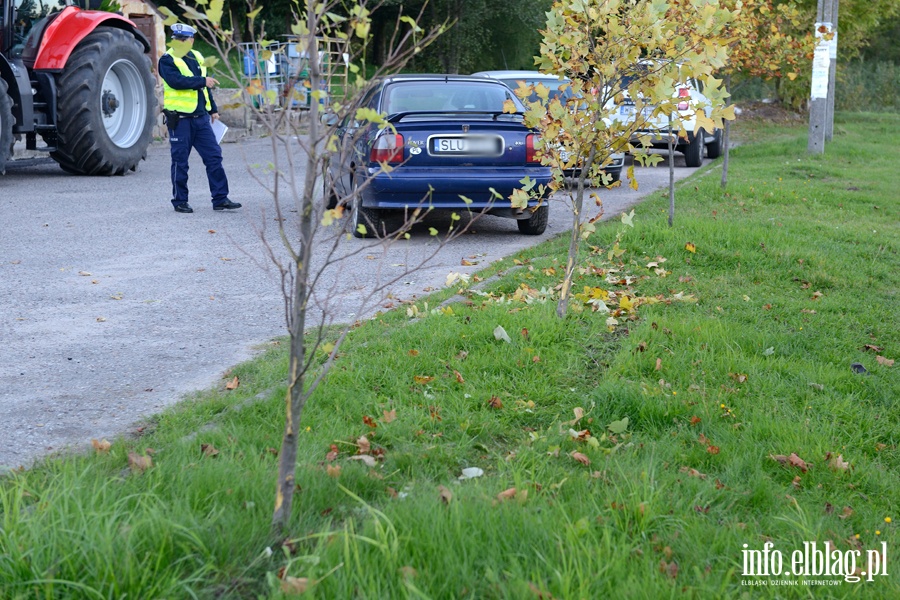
{"points": [[821, 62]]}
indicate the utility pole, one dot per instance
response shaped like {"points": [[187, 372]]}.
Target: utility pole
{"points": [[829, 118], [818, 96]]}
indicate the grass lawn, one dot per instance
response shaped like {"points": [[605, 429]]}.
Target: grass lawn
{"points": [[637, 457]]}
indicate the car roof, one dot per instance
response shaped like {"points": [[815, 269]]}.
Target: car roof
{"points": [[429, 77], [516, 75]]}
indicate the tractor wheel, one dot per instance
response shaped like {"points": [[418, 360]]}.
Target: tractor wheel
{"points": [[6, 125], [537, 224], [106, 105]]}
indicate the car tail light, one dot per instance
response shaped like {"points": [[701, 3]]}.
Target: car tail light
{"points": [[531, 154], [388, 149], [684, 93]]}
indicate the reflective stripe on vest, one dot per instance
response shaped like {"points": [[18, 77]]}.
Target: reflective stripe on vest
{"points": [[184, 101]]}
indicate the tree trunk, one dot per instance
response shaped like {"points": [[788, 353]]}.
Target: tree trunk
{"points": [[296, 397], [726, 139], [671, 176], [562, 306]]}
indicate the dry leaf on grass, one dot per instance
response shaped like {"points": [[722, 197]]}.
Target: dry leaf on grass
{"points": [[233, 384], [793, 460], [208, 450], [444, 494], [692, 472], [294, 585], [887, 362], [507, 494], [389, 415], [139, 463], [581, 458], [362, 444], [333, 470], [101, 445], [837, 462], [369, 461]]}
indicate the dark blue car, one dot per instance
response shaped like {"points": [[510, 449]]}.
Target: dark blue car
{"points": [[450, 145]]}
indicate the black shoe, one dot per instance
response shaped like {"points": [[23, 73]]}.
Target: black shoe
{"points": [[184, 208], [228, 204]]}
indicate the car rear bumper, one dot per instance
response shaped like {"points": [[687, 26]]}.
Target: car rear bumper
{"points": [[442, 188]]}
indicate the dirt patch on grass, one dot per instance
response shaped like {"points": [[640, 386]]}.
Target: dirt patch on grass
{"points": [[770, 112]]}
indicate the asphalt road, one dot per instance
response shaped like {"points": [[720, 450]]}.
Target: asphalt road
{"points": [[112, 306]]}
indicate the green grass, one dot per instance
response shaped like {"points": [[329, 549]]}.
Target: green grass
{"points": [[796, 270]]}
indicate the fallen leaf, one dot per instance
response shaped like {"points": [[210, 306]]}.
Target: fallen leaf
{"points": [[817, 295], [389, 415], [413, 352], [796, 482], [233, 384], [208, 450], [139, 463], [792, 460], [444, 494], [845, 513], [423, 379], [463, 355], [690, 247], [369, 461], [495, 402], [332, 454], [658, 364], [695, 420], [294, 585], [838, 463], [100, 445], [579, 413], [500, 334], [407, 572], [507, 494], [524, 333], [581, 458], [887, 362], [872, 348], [712, 449], [739, 377], [459, 377], [333, 470], [692, 472], [370, 421], [84, 273], [363, 445], [468, 263]]}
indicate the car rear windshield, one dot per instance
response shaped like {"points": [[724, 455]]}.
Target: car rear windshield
{"points": [[552, 84], [449, 96]]}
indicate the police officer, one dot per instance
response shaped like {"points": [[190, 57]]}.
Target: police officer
{"points": [[190, 110]]}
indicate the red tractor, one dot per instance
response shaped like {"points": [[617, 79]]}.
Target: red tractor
{"points": [[80, 79]]}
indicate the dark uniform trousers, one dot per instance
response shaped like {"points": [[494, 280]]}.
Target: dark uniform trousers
{"points": [[196, 132]]}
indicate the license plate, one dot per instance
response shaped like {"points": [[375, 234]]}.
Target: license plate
{"points": [[466, 145], [628, 111]]}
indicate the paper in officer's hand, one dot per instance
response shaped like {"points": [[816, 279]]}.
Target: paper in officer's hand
{"points": [[219, 128]]}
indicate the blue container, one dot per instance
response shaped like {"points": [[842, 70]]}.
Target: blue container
{"points": [[250, 67]]}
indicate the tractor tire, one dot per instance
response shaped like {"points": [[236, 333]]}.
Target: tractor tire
{"points": [[106, 105], [6, 125], [537, 224], [693, 151]]}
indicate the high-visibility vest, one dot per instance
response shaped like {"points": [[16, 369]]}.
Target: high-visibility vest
{"points": [[184, 101]]}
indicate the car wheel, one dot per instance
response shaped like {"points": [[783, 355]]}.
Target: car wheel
{"points": [[537, 224], [6, 125], [366, 222], [714, 149], [330, 194], [693, 153]]}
